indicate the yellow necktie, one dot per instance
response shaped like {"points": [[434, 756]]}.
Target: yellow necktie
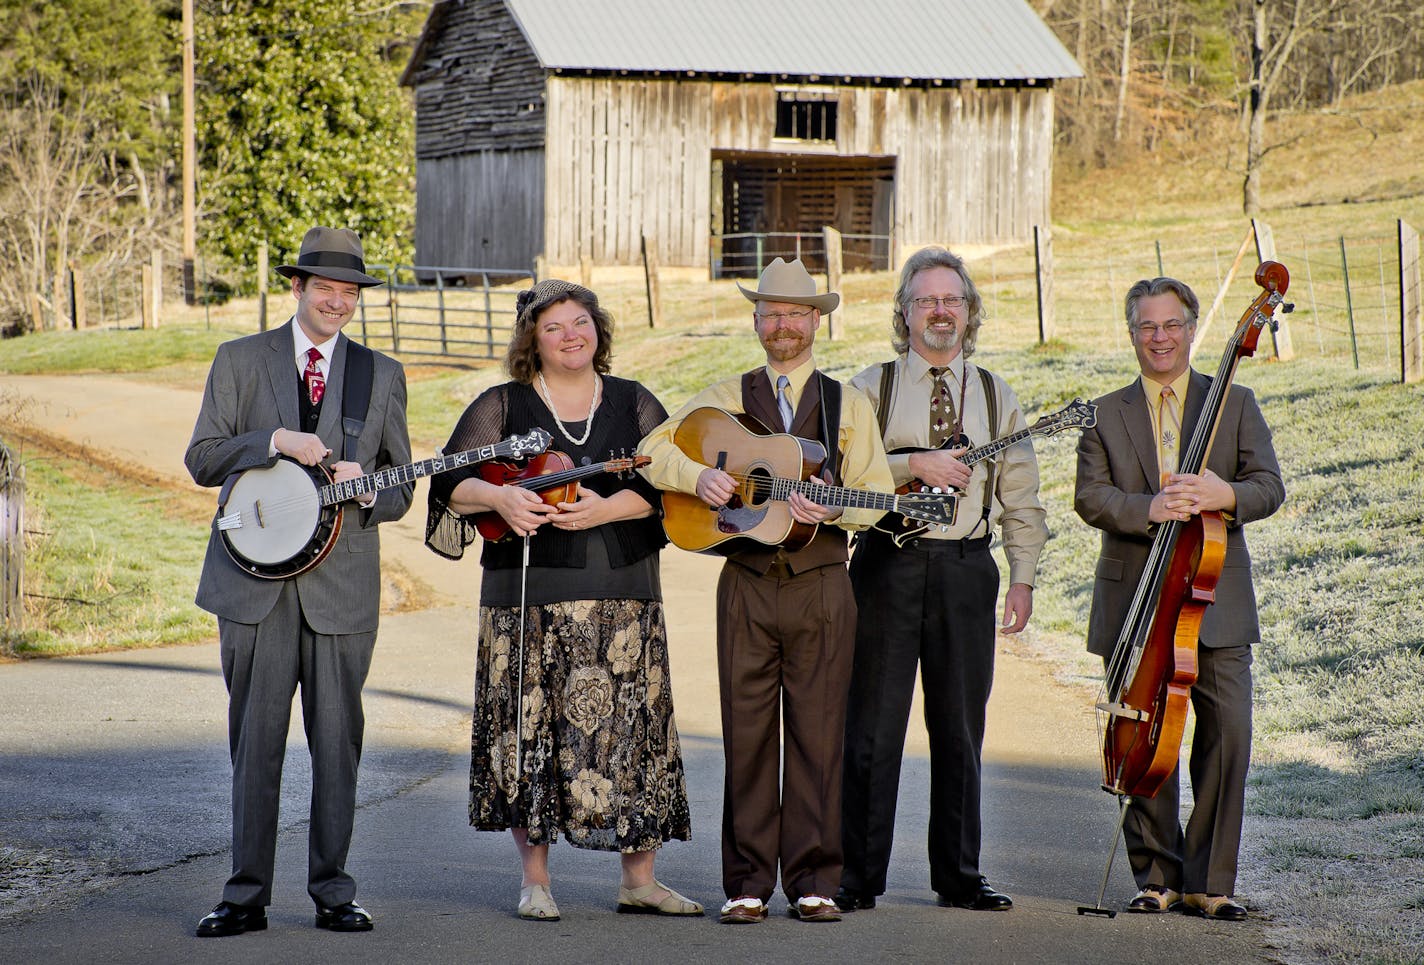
{"points": [[1169, 432]]}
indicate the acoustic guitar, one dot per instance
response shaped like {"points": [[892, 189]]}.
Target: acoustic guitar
{"points": [[281, 520], [1075, 415], [768, 468], [552, 475]]}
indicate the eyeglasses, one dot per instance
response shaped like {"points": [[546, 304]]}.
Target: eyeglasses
{"points": [[929, 302], [1149, 330], [779, 317]]}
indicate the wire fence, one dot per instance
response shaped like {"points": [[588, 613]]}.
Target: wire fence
{"points": [[1345, 292]]}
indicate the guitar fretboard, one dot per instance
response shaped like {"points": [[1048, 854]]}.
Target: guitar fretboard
{"points": [[400, 475], [776, 487]]}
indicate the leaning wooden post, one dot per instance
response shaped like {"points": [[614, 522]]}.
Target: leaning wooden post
{"points": [[262, 286], [1349, 304], [1266, 251], [1411, 307], [585, 271], [835, 262], [1205, 322], [1043, 273], [650, 285]]}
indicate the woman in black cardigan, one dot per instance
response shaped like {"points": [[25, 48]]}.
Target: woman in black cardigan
{"points": [[597, 756]]}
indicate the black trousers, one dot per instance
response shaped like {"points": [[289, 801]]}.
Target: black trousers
{"points": [[931, 604]]}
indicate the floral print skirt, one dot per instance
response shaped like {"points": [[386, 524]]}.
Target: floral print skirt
{"points": [[597, 755]]}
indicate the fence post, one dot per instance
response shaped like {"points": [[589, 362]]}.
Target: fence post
{"points": [[1349, 304], [585, 271], [12, 542], [489, 317], [76, 297], [262, 287], [440, 302], [145, 304], [650, 284], [1411, 306], [157, 293], [835, 255], [1043, 274]]}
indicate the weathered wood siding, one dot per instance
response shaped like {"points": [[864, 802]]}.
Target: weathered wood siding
{"points": [[633, 156], [480, 210], [479, 94], [478, 86]]}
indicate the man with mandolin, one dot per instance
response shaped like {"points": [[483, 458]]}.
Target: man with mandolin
{"points": [[1180, 458], [785, 617], [934, 596], [290, 397]]}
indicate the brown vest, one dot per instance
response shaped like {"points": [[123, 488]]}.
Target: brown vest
{"points": [[828, 546]]}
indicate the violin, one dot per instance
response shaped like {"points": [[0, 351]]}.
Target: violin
{"points": [[1154, 662], [551, 474]]}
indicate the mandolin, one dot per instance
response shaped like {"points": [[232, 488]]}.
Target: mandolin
{"points": [[1075, 415]]}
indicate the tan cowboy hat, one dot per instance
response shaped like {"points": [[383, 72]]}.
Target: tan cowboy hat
{"points": [[331, 253], [784, 281]]}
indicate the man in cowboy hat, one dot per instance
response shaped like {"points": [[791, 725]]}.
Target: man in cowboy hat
{"points": [[285, 393], [785, 620]]}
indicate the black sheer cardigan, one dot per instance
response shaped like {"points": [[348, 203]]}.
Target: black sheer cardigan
{"points": [[625, 415]]}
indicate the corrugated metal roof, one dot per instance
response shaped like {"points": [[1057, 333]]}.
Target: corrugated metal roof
{"points": [[889, 39]]}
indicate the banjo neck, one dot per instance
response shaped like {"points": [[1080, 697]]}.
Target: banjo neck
{"points": [[348, 489]]}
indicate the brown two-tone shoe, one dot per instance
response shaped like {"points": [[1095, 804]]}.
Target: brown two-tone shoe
{"points": [[1154, 899], [1215, 907], [743, 910], [814, 908]]}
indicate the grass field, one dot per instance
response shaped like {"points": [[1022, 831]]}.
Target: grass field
{"points": [[1336, 830]]}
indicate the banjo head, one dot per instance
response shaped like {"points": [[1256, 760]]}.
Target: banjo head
{"points": [[272, 516]]}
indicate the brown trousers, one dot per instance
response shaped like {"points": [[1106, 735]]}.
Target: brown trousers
{"points": [[784, 645]]}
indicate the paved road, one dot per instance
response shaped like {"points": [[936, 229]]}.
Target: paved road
{"points": [[115, 774]]}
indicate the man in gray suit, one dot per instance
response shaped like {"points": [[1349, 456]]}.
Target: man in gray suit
{"points": [[1127, 487], [269, 395]]}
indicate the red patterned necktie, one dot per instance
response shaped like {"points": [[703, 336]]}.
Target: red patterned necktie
{"points": [[316, 385]]}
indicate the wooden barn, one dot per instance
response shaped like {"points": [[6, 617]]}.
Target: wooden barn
{"points": [[575, 129]]}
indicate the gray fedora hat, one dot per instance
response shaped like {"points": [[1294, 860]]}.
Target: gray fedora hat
{"points": [[789, 281], [331, 253]]}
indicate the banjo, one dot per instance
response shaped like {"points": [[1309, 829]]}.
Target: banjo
{"points": [[281, 520]]}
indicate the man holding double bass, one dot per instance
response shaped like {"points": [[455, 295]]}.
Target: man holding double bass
{"points": [[286, 393], [1128, 486], [785, 619]]}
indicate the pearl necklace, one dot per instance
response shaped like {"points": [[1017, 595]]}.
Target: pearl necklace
{"points": [[588, 424]]}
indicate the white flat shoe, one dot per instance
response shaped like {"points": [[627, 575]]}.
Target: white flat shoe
{"points": [[537, 904]]}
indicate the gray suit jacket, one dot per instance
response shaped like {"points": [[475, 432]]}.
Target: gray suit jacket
{"points": [[1117, 478], [251, 392]]}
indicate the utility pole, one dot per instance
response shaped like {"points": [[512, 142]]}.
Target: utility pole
{"points": [[190, 181]]}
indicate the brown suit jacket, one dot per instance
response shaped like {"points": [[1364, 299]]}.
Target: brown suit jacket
{"points": [[1117, 478]]}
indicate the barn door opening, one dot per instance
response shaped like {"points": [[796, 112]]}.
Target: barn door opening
{"points": [[775, 205]]}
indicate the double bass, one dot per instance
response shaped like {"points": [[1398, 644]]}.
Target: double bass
{"points": [[1142, 710]]}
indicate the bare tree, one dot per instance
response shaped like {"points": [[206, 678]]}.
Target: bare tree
{"points": [[1277, 26]]}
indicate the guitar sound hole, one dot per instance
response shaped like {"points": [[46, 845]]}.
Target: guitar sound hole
{"points": [[757, 487]]}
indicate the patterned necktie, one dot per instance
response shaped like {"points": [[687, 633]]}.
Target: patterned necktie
{"points": [[1169, 431], [783, 401], [311, 377], [941, 409]]}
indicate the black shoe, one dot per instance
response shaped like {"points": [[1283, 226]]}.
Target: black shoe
{"points": [[232, 919], [347, 917], [982, 898], [848, 900]]}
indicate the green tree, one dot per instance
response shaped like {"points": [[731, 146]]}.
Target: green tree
{"points": [[301, 121]]}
